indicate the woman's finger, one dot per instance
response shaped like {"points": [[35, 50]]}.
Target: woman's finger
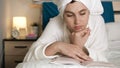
{"points": [[87, 34], [83, 56], [82, 33], [77, 58]]}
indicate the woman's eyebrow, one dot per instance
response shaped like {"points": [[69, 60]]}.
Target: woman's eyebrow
{"points": [[73, 12], [83, 10], [68, 12]]}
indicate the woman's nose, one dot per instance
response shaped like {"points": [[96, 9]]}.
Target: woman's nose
{"points": [[77, 20]]}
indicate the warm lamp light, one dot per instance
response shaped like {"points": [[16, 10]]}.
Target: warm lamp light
{"points": [[21, 24]]}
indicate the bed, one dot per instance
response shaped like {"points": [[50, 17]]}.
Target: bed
{"points": [[114, 43], [113, 53]]}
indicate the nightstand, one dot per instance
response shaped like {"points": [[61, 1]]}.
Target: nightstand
{"points": [[14, 51]]}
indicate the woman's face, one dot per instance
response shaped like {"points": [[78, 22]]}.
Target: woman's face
{"points": [[76, 16]]}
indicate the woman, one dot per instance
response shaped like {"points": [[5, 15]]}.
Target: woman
{"points": [[77, 32]]}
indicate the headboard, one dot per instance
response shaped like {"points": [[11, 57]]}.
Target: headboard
{"points": [[108, 14], [50, 10]]}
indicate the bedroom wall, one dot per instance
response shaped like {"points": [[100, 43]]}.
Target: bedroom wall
{"points": [[20, 8], [116, 6], [10, 8], [1, 27]]}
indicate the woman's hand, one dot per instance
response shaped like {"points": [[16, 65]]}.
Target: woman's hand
{"points": [[73, 51], [80, 38]]}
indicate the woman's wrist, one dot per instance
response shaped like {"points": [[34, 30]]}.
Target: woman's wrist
{"points": [[52, 49], [59, 46]]}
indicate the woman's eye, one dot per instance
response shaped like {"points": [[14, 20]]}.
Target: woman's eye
{"points": [[69, 15], [82, 13]]}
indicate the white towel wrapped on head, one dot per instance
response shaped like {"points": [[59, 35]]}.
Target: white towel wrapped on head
{"points": [[94, 6]]}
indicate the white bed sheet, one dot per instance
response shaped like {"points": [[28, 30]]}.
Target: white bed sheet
{"points": [[114, 53], [47, 64]]}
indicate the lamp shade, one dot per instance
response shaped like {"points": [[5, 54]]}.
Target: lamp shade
{"points": [[19, 22]]}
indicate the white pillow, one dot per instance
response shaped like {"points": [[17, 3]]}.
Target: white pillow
{"points": [[113, 31]]}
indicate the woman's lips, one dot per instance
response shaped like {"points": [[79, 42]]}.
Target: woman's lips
{"points": [[77, 27]]}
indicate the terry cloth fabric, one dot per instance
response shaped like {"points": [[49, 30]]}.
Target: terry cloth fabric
{"points": [[94, 6]]}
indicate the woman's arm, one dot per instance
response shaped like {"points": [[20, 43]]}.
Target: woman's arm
{"points": [[75, 49], [67, 49], [80, 38]]}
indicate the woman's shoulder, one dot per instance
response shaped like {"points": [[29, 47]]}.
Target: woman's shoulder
{"points": [[56, 23], [57, 20], [53, 28]]}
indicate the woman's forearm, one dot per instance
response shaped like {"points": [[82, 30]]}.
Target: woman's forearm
{"points": [[70, 50], [52, 49]]}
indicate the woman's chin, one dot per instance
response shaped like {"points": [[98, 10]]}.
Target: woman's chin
{"points": [[76, 30]]}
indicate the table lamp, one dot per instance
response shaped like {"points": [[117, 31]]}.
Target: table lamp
{"points": [[19, 28]]}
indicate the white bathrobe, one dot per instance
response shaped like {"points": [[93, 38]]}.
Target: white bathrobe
{"points": [[57, 31]]}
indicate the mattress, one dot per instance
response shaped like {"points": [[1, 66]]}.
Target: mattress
{"points": [[47, 64], [114, 53]]}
